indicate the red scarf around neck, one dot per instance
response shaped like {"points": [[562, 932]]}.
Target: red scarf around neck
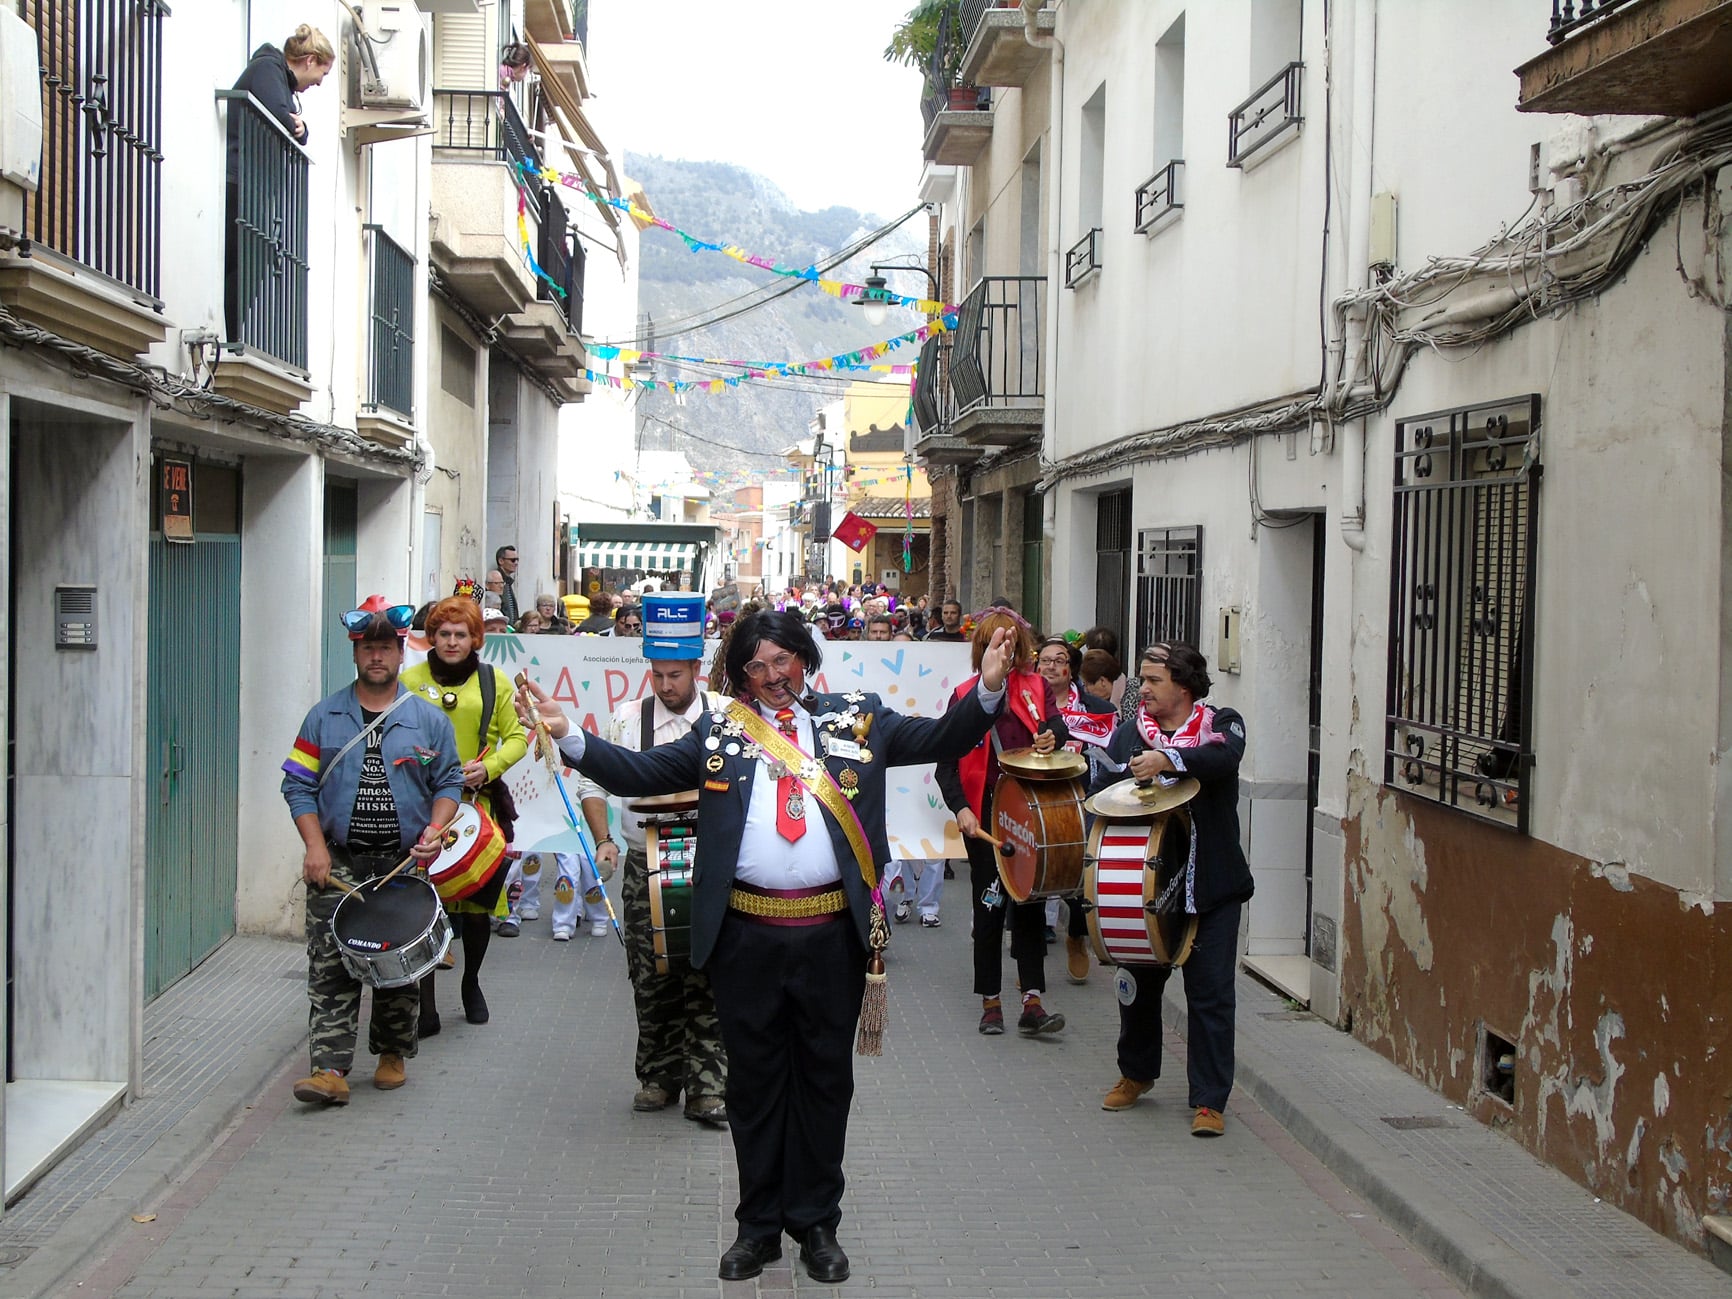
{"points": [[1024, 696]]}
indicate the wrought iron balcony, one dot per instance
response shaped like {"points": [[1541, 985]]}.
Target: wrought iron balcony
{"points": [[1158, 196], [1271, 111], [1671, 57], [1083, 259], [562, 257], [997, 373], [957, 115], [391, 313], [99, 198], [265, 300]]}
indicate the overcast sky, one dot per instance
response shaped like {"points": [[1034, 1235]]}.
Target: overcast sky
{"points": [[796, 90]]}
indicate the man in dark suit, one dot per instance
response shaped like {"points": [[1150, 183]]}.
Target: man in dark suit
{"points": [[774, 883]]}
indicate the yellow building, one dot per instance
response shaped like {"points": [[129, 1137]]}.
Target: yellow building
{"points": [[881, 490]]}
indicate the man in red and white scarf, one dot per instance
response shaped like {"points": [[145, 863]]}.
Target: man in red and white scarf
{"points": [[1175, 734]]}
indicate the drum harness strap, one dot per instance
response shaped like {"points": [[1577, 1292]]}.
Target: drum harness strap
{"points": [[816, 777], [365, 731]]}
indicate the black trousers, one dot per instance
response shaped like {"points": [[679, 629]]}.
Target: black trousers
{"points": [[1027, 929], [788, 997], [1210, 1002]]}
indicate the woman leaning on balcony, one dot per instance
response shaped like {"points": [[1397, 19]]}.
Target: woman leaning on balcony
{"points": [[276, 77]]}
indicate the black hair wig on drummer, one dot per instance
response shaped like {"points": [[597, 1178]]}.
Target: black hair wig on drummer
{"points": [[1185, 665], [785, 629]]}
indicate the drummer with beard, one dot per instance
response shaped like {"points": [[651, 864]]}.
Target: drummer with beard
{"points": [[373, 776], [1173, 735], [781, 911], [490, 740]]}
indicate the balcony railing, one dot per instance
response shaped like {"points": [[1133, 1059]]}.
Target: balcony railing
{"points": [[1569, 17], [934, 405], [469, 121], [996, 358], [99, 198], [1159, 195], [943, 93], [1083, 259], [1271, 111], [391, 310], [265, 297], [561, 256]]}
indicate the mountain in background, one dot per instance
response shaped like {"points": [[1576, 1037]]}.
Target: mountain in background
{"points": [[687, 294]]}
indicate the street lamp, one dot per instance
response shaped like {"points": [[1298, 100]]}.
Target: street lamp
{"points": [[874, 298]]}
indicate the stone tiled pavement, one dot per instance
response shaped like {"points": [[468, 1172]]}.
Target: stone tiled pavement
{"points": [[513, 1165]]}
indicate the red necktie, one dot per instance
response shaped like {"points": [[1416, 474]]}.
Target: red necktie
{"points": [[791, 824]]}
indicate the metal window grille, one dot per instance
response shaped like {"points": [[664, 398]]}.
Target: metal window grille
{"points": [[266, 255], [1083, 259], [99, 200], [1113, 561], [391, 375], [1269, 113], [996, 356], [1461, 609], [1159, 195], [1568, 17], [1169, 585]]}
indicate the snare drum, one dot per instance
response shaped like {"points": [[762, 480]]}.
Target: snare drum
{"points": [[1134, 884], [474, 849], [1040, 823], [389, 935], [670, 848]]}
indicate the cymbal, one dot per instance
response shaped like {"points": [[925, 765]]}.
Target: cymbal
{"points": [[1060, 764], [1126, 801], [665, 804]]}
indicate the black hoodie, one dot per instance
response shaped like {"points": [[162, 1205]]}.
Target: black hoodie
{"points": [[268, 79]]}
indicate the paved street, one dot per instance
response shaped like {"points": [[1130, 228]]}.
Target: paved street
{"points": [[512, 1164]]}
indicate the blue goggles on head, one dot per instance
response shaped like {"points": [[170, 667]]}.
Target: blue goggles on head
{"points": [[399, 616]]}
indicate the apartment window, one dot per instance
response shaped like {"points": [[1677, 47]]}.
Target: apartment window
{"points": [[1169, 586], [1461, 648], [456, 365], [391, 312], [1084, 258], [1160, 196], [1272, 110], [1113, 561]]}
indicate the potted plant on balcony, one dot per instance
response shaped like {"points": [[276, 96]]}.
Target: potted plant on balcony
{"points": [[929, 39]]}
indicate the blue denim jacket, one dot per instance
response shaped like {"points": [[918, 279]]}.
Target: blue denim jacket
{"points": [[421, 764]]}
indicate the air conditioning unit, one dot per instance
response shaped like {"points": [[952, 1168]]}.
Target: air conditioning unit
{"points": [[393, 52]]}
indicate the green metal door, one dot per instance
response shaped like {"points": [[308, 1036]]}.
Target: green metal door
{"points": [[341, 508], [193, 737]]}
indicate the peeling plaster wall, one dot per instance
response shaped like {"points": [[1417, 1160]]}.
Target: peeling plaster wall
{"points": [[1615, 991]]}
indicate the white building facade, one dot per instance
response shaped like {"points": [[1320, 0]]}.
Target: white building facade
{"points": [[1408, 407]]}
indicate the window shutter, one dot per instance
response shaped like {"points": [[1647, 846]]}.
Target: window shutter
{"points": [[461, 59]]}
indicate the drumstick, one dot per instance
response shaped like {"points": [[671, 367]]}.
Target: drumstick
{"points": [[1008, 849], [398, 868], [349, 889]]}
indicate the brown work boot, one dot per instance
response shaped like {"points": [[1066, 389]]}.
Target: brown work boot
{"points": [[389, 1076], [1207, 1122], [1124, 1094], [324, 1085], [651, 1097], [1076, 959]]}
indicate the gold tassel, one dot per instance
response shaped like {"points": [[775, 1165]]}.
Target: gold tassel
{"points": [[875, 1005], [874, 1008]]}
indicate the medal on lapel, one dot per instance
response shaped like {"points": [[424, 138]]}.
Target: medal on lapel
{"points": [[849, 779], [714, 763]]}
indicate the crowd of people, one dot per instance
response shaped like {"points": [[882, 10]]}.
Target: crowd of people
{"points": [[788, 917]]}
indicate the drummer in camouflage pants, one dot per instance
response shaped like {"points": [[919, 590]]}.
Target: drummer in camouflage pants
{"points": [[373, 776], [679, 1040]]}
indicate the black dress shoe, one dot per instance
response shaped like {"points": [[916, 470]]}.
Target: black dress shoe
{"points": [[474, 1004], [822, 1256], [746, 1258]]}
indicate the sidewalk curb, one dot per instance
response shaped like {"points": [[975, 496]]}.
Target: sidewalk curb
{"points": [[1483, 1262], [91, 1228]]}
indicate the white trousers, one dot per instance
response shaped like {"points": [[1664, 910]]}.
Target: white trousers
{"points": [[568, 876], [921, 882]]}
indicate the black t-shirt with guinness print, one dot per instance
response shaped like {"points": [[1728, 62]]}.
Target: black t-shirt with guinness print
{"points": [[373, 825]]}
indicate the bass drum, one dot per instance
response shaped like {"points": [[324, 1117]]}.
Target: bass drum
{"points": [[1134, 886], [1040, 823]]}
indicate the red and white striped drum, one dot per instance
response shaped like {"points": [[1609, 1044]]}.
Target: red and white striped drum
{"points": [[1134, 886]]}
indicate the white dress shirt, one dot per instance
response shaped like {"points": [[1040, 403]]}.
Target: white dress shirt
{"points": [[626, 730]]}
